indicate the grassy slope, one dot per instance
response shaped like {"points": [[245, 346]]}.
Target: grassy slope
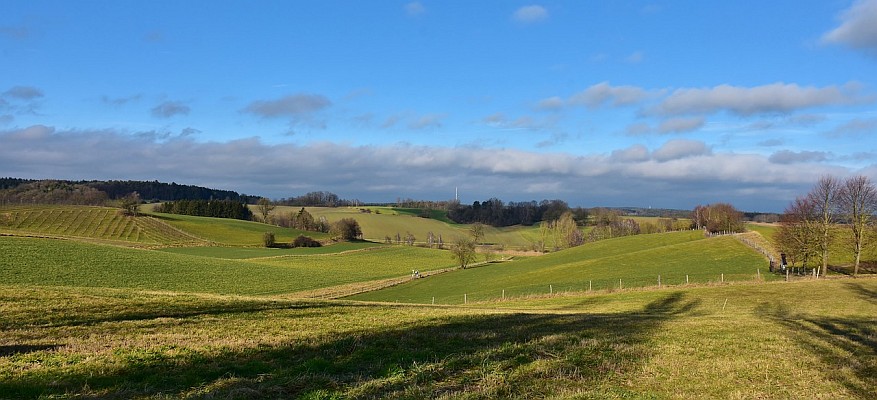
{"points": [[93, 223], [29, 261], [241, 253], [391, 221], [636, 260], [779, 340], [231, 231], [840, 254]]}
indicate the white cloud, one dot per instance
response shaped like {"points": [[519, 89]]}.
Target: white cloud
{"points": [[550, 104], [854, 127], [792, 157], [679, 125], [297, 108], [633, 153], [680, 148], [858, 27], [169, 109], [774, 98], [635, 57], [23, 93], [678, 174], [292, 106], [530, 14], [415, 8], [603, 93], [427, 121]]}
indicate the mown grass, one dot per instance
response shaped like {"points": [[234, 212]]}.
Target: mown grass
{"points": [[31, 261], [636, 261], [780, 340]]}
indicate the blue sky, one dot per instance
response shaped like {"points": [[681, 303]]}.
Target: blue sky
{"points": [[599, 103]]}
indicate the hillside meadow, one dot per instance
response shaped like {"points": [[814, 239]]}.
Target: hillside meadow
{"points": [[57, 262], [192, 307], [812, 339], [627, 262]]}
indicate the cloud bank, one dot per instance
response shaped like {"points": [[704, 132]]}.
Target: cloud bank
{"points": [[680, 173]]}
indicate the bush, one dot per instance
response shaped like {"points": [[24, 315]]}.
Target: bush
{"points": [[304, 241], [268, 239], [346, 229]]}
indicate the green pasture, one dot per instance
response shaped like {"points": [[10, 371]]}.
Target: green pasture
{"points": [[232, 231], [390, 221], [53, 262], [841, 256], [811, 339], [240, 253], [636, 261]]}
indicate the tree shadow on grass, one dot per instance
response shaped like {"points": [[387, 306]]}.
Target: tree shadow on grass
{"points": [[146, 312], [865, 293], [847, 347], [476, 355], [26, 348]]}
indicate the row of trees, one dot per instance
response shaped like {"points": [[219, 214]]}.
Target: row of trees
{"points": [[50, 192], [317, 199], [495, 212], [207, 208], [812, 223], [719, 217]]}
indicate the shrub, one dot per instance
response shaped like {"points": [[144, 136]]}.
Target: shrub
{"points": [[268, 239], [304, 241]]}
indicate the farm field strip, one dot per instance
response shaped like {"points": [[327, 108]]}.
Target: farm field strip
{"points": [[92, 223]]}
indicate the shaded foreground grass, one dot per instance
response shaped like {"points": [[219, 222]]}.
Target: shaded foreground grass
{"points": [[763, 343]]}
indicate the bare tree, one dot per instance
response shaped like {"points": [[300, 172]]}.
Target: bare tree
{"points": [[798, 236], [477, 232], [265, 207], [858, 203], [464, 251], [824, 198]]}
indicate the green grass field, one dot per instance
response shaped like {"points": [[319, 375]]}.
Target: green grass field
{"points": [[50, 262], [774, 340], [635, 260], [241, 253], [390, 221], [231, 231], [83, 319]]}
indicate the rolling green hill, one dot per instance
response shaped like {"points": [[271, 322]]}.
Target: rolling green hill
{"points": [[388, 221], [105, 224], [635, 260], [53, 262]]}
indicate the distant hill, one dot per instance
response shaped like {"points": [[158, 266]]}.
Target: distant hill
{"points": [[24, 190]]}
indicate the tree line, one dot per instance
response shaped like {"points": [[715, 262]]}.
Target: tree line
{"points": [[814, 222], [316, 199], [495, 212], [207, 208], [51, 191]]}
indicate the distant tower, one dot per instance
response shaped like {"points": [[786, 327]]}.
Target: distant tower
{"points": [[456, 197]]}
